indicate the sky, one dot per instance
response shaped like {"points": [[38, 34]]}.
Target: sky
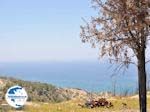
{"points": [[44, 30]]}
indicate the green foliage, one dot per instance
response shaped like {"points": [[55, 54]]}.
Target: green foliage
{"points": [[38, 92]]}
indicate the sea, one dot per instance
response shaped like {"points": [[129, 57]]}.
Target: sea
{"points": [[94, 76]]}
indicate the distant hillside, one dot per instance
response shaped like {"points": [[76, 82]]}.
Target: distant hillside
{"points": [[41, 91]]}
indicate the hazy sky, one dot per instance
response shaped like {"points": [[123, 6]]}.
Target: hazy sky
{"points": [[44, 30]]}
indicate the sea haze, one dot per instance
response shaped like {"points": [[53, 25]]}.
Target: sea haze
{"points": [[92, 76]]}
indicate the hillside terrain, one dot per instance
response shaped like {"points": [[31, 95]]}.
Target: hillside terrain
{"points": [[42, 92], [49, 98]]}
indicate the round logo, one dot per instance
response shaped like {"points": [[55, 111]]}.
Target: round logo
{"points": [[16, 96]]}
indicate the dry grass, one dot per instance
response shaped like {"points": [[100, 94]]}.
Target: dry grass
{"points": [[72, 106]]}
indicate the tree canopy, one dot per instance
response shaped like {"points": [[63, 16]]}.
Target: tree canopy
{"points": [[120, 29]]}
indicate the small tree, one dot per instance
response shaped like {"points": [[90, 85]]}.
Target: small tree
{"points": [[121, 31]]}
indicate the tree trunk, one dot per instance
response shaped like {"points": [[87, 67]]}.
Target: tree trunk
{"points": [[142, 81]]}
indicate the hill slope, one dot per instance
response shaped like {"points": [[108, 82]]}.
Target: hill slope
{"points": [[41, 92]]}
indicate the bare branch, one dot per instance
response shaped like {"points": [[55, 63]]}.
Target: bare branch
{"points": [[147, 61], [124, 62]]}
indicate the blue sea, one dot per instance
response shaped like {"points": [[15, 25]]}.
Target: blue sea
{"points": [[91, 76]]}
